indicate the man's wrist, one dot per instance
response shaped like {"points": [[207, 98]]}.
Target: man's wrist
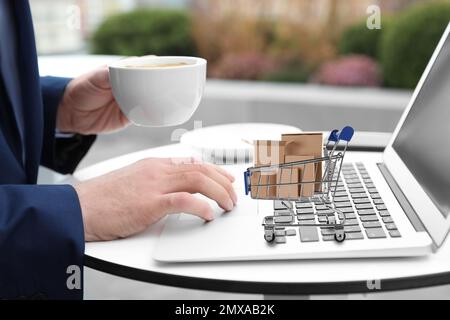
{"points": [[88, 235], [64, 122]]}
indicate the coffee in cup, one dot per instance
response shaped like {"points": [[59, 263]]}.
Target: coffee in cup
{"points": [[154, 65]]}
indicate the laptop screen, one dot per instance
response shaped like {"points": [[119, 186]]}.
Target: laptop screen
{"points": [[423, 142]]}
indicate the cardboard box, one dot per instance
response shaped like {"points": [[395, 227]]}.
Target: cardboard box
{"points": [[305, 173], [291, 176], [306, 144], [265, 178], [266, 153]]}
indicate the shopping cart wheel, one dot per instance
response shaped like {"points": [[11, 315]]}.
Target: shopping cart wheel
{"points": [[269, 235], [339, 236]]}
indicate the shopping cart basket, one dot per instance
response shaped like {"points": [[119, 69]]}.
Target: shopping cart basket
{"points": [[324, 187]]}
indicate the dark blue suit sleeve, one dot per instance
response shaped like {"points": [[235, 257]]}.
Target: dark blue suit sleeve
{"points": [[60, 154], [41, 238]]}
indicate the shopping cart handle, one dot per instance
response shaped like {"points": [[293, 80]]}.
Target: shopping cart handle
{"points": [[346, 134], [334, 136], [246, 178]]}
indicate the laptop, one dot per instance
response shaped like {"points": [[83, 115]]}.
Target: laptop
{"points": [[397, 203]]}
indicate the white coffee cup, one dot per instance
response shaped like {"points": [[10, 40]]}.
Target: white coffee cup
{"points": [[158, 91]]}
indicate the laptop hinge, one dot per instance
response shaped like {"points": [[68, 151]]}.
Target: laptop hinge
{"points": [[401, 198]]}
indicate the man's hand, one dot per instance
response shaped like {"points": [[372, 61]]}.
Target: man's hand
{"points": [[88, 105], [127, 201]]}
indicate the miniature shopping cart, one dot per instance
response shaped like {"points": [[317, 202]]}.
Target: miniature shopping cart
{"points": [[323, 186]]}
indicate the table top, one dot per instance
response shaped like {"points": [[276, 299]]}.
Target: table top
{"points": [[132, 258]]}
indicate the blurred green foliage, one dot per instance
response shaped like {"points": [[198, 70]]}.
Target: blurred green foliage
{"points": [[408, 44], [358, 39], [143, 32], [244, 48]]}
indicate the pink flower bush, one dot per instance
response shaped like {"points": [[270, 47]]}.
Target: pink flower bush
{"points": [[243, 66], [352, 70]]}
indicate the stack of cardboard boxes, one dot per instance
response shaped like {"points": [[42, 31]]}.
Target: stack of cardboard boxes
{"points": [[291, 182]]}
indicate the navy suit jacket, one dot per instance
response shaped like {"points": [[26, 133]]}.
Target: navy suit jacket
{"points": [[41, 227]]}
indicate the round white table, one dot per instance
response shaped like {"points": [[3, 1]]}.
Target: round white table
{"points": [[132, 258]]}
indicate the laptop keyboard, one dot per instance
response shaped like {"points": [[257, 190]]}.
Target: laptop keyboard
{"points": [[356, 197]]}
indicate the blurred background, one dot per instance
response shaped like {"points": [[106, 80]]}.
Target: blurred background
{"points": [[321, 41], [313, 64]]}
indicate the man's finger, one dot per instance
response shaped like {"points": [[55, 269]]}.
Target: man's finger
{"points": [[224, 172], [99, 78], [185, 202], [197, 182], [209, 170], [193, 160]]}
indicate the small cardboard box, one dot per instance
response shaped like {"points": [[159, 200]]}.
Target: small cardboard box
{"points": [[291, 176], [259, 182], [305, 174], [306, 144], [266, 153]]}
